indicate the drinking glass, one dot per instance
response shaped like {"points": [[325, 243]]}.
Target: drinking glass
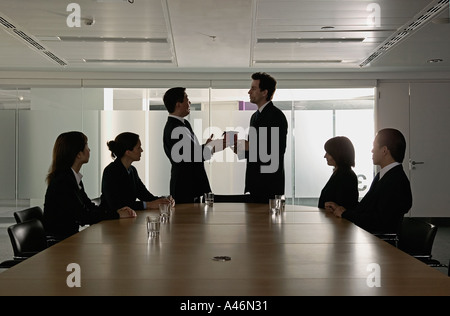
{"points": [[209, 198], [153, 226], [164, 212]]}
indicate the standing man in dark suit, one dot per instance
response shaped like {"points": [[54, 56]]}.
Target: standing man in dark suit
{"points": [[389, 197], [188, 179], [266, 144]]}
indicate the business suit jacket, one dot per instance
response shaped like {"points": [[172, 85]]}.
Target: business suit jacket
{"points": [[188, 178], [264, 186], [341, 188], [122, 188], [67, 207], [383, 207]]}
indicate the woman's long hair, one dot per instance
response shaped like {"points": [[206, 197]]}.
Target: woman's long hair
{"points": [[66, 148]]}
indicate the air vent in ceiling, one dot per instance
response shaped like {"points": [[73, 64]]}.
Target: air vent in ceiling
{"points": [[18, 33], [420, 20], [6, 23], [28, 39]]}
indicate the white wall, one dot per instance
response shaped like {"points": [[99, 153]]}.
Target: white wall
{"points": [[394, 109]]}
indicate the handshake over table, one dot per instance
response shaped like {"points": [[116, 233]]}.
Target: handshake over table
{"points": [[230, 139]]}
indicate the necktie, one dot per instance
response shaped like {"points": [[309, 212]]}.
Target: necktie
{"points": [[256, 116], [188, 125], [374, 182], [191, 132]]}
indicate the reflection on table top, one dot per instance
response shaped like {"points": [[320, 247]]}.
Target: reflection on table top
{"points": [[303, 251]]}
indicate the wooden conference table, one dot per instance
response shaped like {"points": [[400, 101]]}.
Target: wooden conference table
{"points": [[304, 251]]}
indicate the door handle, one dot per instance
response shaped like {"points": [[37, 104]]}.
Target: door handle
{"points": [[413, 163]]}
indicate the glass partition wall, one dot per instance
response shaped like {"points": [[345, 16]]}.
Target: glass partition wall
{"points": [[31, 119]]}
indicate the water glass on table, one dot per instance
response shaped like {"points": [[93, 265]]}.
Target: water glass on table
{"points": [[209, 198], [164, 212], [274, 206], [172, 202], [153, 226], [282, 201]]}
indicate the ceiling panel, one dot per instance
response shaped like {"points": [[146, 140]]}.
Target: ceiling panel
{"points": [[218, 35]]}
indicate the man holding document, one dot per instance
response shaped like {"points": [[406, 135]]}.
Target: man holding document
{"points": [[188, 178], [266, 144]]}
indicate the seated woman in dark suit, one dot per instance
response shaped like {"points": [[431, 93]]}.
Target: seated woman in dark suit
{"points": [[67, 206], [343, 183], [121, 184]]}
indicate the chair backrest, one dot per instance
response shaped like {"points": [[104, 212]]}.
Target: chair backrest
{"points": [[29, 213], [27, 238], [417, 237]]}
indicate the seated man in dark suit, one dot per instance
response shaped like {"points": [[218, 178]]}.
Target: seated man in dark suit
{"points": [[389, 197]]}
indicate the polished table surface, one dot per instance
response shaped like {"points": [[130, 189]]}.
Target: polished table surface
{"points": [[303, 251]]}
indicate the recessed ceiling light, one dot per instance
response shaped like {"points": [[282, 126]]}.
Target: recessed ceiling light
{"points": [[435, 61]]}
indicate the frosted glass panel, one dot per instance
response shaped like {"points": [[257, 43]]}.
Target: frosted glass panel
{"points": [[158, 176], [113, 123], [227, 172], [313, 117], [358, 126], [312, 130], [8, 158]]}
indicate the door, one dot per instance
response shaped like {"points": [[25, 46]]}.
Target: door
{"points": [[430, 149]]}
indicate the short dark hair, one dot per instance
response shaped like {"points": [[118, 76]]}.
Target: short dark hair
{"points": [[172, 96], [123, 142], [342, 151], [394, 140], [266, 82]]}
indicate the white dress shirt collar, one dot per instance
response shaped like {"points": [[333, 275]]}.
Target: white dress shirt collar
{"points": [[262, 107], [387, 168], [78, 177], [177, 117]]}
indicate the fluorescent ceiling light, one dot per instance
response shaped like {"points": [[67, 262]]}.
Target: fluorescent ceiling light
{"points": [[297, 61], [309, 40], [113, 39], [129, 61]]}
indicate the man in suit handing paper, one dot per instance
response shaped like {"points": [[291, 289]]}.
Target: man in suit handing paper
{"points": [[188, 180]]}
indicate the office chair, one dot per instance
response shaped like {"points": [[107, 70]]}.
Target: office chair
{"points": [[27, 239], [416, 238], [391, 237], [29, 213]]}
